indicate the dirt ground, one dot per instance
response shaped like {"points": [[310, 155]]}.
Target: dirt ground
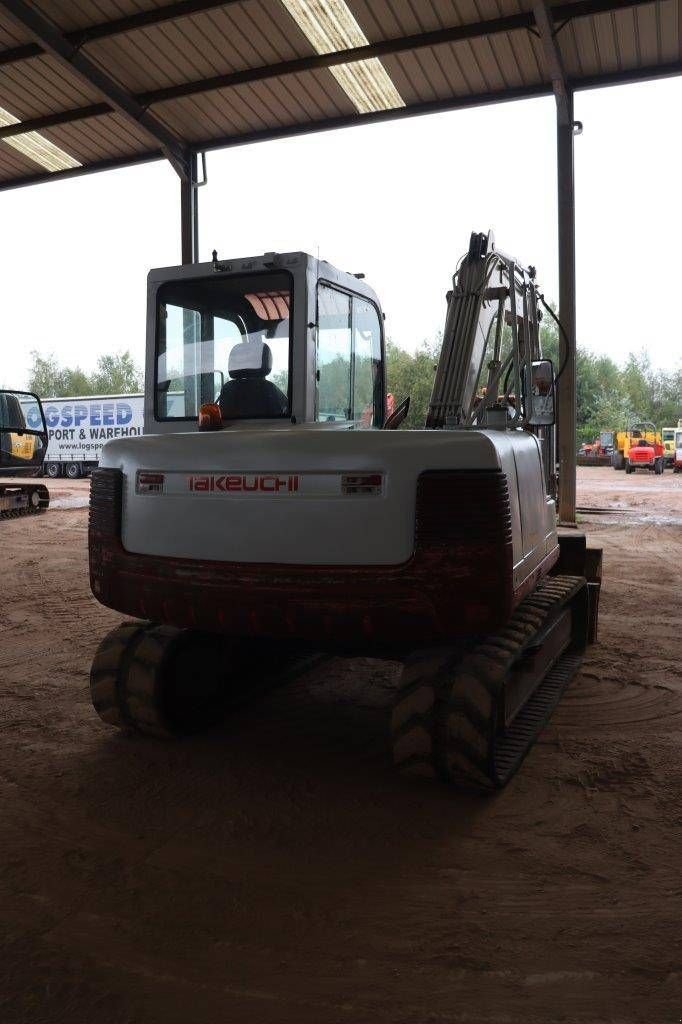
{"points": [[277, 870]]}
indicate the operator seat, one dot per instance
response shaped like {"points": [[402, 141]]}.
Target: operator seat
{"points": [[248, 395]]}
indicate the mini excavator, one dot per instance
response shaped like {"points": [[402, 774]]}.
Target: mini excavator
{"points": [[23, 446], [273, 508]]}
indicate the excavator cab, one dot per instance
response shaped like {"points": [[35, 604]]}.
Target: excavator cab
{"points": [[23, 434], [266, 341]]}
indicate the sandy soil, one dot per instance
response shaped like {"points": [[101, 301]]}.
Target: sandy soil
{"points": [[645, 494], [277, 870]]}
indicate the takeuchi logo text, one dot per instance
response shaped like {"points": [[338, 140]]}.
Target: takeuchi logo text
{"points": [[247, 483]]}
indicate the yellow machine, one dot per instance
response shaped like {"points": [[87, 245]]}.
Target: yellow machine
{"points": [[625, 439], [668, 438], [23, 445]]}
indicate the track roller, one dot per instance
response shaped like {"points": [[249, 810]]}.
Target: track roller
{"points": [[470, 718]]}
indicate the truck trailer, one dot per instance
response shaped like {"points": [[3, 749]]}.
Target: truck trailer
{"points": [[79, 427]]}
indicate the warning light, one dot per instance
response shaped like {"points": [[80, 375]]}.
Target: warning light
{"points": [[210, 417]]}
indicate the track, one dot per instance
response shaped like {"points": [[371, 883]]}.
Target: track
{"points": [[38, 498], [471, 719]]}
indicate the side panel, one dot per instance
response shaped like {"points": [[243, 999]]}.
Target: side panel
{"points": [[78, 428], [538, 517]]}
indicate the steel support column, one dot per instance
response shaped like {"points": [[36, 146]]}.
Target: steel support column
{"points": [[567, 314], [189, 213]]}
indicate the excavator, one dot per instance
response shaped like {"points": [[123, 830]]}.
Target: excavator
{"points": [[273, 509], [23, 446]]}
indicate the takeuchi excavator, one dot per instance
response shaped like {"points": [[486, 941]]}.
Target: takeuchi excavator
{"points": [[272, 509], [23, 446]]}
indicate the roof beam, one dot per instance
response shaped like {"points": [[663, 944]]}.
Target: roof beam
{"points": [[53, 42], [553, 59], [314, 62], [128, 23]]}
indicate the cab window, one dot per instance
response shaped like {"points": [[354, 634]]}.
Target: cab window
{"points": [[349, 367], [334, 345], [225, 340], [367, 383]]}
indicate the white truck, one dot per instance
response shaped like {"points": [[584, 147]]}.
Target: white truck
{"points": [[79, 427]]}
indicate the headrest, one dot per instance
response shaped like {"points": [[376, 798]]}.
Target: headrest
{"points": [[250, 359]]}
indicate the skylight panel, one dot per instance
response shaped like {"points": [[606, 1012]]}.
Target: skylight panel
{"points": [[329, 25], [36, 147]]}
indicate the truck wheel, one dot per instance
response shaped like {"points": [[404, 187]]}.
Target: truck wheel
{"points": [[628, 468], [659, 467], [73, 470], [53, 470], [618, 460], [159, 680]]}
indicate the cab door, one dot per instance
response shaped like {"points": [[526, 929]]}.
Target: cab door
{"points": [[23, 434]]}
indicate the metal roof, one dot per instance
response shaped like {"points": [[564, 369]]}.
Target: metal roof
{"points": [[117, 82]]}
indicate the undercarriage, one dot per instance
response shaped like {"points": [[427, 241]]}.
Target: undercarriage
{"points": [[466, 713], [20, 499]]}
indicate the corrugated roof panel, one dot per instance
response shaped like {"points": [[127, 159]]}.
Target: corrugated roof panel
{"points": [[100, 138], [420, 81], [670, 31], [485, 60], [624, 24], [41, 86], [510, 70], [605, 43], [649, 31], [74, 14], [11, 34], [528, 56], [434, 71], [296, 99], [215, 42], [585, 41]]}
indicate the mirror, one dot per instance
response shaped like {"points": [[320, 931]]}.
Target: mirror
{"points": [[540, 395]]}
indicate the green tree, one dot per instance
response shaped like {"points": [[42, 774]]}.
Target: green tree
{"points": [[50, 380], [608, 396], [412, 373], [115, 374]]}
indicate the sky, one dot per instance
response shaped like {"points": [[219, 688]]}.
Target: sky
{"points": [[396, 201]]}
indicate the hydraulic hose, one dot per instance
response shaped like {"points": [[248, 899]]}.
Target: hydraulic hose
{"points": [[562, 329]]}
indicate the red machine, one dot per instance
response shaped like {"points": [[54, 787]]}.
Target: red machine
{"points": [[598, 452], [646, 455]]}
